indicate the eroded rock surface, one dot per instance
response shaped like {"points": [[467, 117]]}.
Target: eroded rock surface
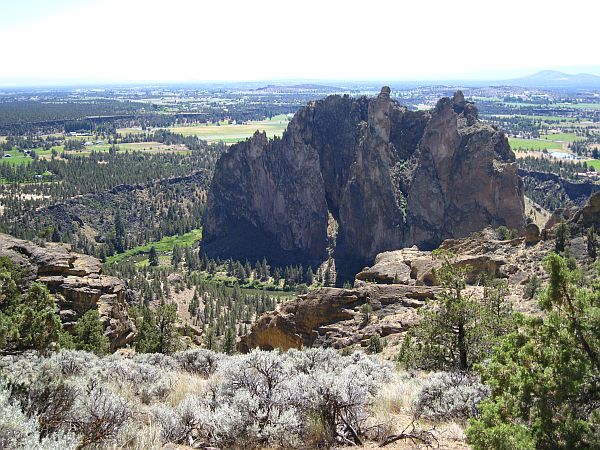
{"points": [[333, 317], [399, 283], [390, 178], [77, 282]]}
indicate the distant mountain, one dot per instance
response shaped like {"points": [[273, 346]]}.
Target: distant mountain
{"points": [[298, 88], [556, 79]]}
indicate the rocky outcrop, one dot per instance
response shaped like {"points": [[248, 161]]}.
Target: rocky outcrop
{"points": [[589, 214], [396, 286], [389, 177], [333, 317], [77, 283]]}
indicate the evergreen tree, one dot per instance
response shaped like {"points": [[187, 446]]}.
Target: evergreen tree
{"points": [[562, 237], [89, 334], [310, 276], [119, 233], [194, 304], [229, 341], [592, 242], [545, 374], [153, 257], [462, 330]]}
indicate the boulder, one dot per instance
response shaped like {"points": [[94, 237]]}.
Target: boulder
{"points": [[532, 234], [332, 317]]}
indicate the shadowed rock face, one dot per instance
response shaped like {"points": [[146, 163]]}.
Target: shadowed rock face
{"points": [[390, 177]]}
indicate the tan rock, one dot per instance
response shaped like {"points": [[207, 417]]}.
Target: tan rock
{"points": [[77, 283]]}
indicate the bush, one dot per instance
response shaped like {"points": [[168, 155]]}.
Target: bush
{"points": [[450, 395], [544, 375], [506, 234], [98, 414], [198, 361], [262, 399], [19, 431], [147, 382], [89, 334], [532, 287]]}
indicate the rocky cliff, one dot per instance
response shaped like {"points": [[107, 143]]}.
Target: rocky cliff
{"points": [[77, 283], [389, 177]]}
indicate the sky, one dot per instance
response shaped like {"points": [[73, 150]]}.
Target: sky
{"points": [[116, 41]]}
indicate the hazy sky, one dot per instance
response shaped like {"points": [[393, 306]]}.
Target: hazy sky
{"points": [[63, 41]]}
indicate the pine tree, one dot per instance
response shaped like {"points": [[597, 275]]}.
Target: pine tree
{"points": [[89, 334], [229, 341], [119, 233], [592, 242], [153, 257], [310, 277], [562, 237]]}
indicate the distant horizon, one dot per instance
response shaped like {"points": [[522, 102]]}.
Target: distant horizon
{"points": [[518, 74]]}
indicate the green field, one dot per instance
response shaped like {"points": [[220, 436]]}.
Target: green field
{"points": [[230, 133], [16, 158], [562, 137], [533, 144], [165, 245], [595, 163]]}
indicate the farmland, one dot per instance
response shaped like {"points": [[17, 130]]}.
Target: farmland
{"points": [[231, 133], [533, 144], [562, 137], [595, 163]]}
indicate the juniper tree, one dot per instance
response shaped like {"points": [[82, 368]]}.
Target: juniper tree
{"points": [[545, 374], [461, 329]]}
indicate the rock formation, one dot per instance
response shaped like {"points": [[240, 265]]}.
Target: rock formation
{"points": [[77, 283], [332, 317], [398, 285], [389, 177]]}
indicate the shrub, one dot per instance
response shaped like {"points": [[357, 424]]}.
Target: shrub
{"points": [[450, 395], [505, 233], [544, 375], [18, 431], [532, 287], [143, 380], [98, 413], [89, 334], [74, 362], [198, 361], [375, 344]]}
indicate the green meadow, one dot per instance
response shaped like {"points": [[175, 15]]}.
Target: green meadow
{"points": [[165, 245], [230, 133], [533, 144]]}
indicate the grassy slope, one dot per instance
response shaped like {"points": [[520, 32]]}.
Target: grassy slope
{"points": [[166, 244]]}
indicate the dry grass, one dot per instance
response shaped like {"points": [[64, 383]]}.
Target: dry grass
{"points": [[393, 412], [136, 436], [185, 384]]}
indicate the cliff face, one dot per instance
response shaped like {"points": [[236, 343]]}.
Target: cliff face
{"points": [[77, 283], [389, 177]]}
